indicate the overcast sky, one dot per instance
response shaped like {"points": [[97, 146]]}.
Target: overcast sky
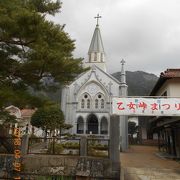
{"points": [[146, 33]]}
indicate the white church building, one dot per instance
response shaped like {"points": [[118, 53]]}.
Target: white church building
{"points": [[86, 102]]}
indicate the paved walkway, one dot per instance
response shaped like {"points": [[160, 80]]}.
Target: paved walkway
{"points": [[142, 163]]}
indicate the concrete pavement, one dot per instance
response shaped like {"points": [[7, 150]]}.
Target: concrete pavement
{"points": [[142, 163]]}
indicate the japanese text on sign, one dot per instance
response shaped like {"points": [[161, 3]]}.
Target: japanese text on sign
{"points": [[146, 106]]}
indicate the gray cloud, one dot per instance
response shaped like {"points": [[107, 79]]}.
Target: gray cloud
{"points": [[146, 33]]}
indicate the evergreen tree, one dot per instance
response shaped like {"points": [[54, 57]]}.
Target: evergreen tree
{"points": [[33, 51]]}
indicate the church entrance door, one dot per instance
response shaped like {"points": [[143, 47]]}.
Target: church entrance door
{"points": [[80, 125], [92, 123]]}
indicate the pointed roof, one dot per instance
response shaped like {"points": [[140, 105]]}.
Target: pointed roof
{"points": [[27, 112], [96, 42], [91, 69]]}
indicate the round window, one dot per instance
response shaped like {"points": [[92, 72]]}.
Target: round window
{"points": [[99, 96], [85, 96]]}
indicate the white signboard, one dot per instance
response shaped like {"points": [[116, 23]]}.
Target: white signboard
{"points": [[146, 106]]}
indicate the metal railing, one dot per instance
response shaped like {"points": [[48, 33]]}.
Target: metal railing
{"points": [[54, 146], [68, 146]]}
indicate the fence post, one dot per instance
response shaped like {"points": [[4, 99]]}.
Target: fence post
{"points": [[115, 144], [24, 144], [53, 146], [83, 146]]}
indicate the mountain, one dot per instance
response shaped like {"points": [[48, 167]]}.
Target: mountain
{"points": [[139, 83]]}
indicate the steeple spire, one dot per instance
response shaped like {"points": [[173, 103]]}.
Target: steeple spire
{"points": [[96, 50]]}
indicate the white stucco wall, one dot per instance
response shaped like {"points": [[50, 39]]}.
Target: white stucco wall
{"points": [[172, 86]]}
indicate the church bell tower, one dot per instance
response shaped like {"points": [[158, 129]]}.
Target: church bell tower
{"points": [[96, 54]]}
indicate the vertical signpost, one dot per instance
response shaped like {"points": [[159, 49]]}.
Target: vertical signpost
{"points": [[123, 119], [115, 144]]}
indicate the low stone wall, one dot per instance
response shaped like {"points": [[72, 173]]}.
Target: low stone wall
{"points": [[66, 165], [83, 165], [63, 165]]}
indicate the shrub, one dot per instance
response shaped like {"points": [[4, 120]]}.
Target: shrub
{"points": [[58, 148], [70, 145]]}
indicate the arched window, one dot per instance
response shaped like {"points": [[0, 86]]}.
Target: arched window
{"points": [[96, 103], [88, 104], [80, 125], [82, 103], [95, 56], [102, 103], [104, 126], [99, 102], [101, 57], [85, 101]]}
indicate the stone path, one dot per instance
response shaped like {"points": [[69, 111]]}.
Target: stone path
{"points": [[142, 163]]}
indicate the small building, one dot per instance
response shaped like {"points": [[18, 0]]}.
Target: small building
{"points": [[23, 118], [167, 129]]}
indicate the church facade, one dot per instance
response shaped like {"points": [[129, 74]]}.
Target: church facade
{"points": [[86, 102]]}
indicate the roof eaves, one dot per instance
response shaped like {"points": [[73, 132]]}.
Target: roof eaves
{"points": [[158, 85]]}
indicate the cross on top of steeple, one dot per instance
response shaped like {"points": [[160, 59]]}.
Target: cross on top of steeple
{"points": [[123, 61], [97, 17]]}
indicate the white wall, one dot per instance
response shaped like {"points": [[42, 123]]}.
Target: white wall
{"points": [[174, 87]]}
